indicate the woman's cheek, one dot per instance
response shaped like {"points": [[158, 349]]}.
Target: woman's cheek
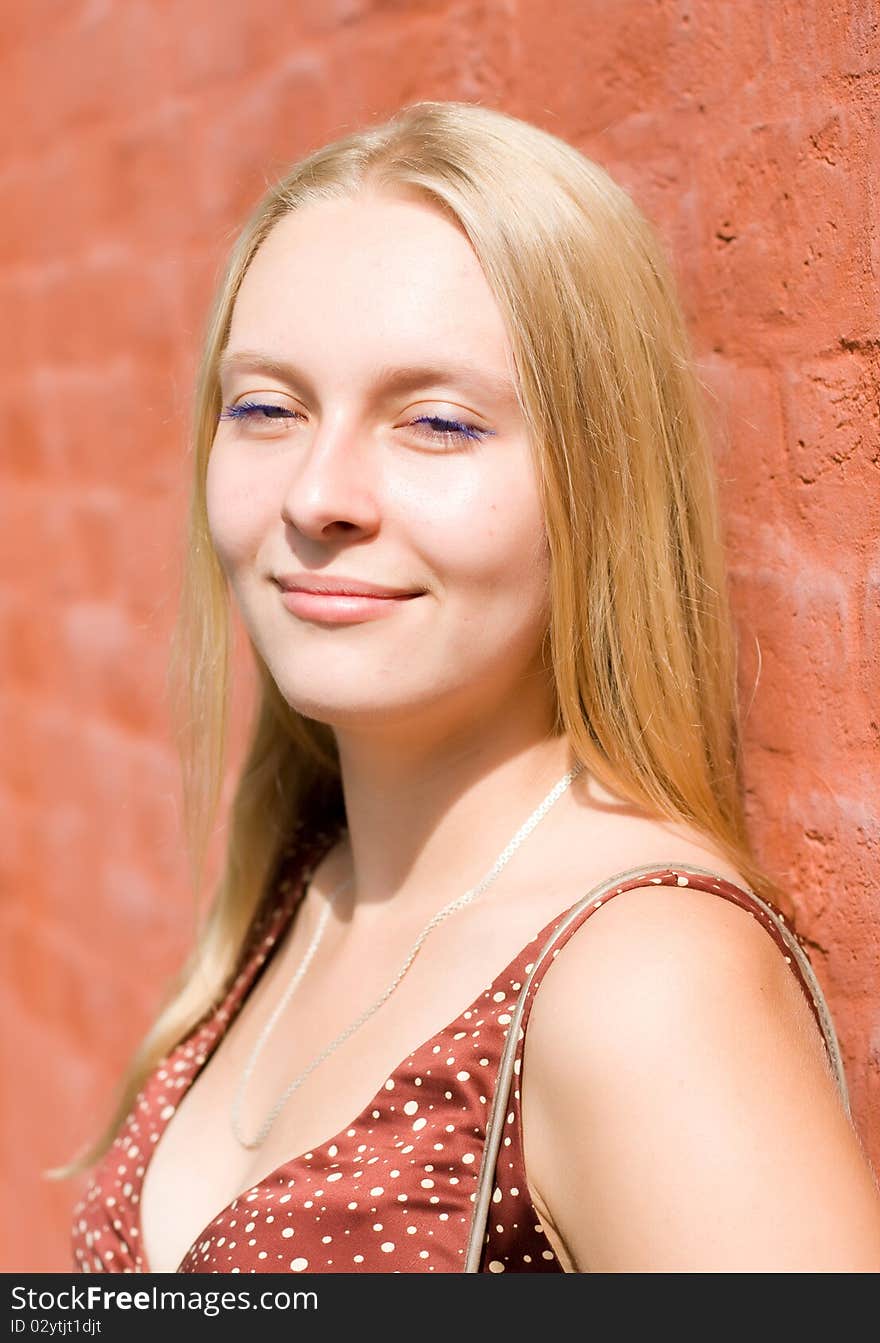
{"points": [[236, 513]]}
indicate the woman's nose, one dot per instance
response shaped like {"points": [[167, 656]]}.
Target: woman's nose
{"points": [[332, 481]]}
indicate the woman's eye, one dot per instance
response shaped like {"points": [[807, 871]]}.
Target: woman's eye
{"points": [[256, 412], [452, 430]]}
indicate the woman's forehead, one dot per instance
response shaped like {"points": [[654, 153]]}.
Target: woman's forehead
{"points": [[375, 241], [391, 274]]}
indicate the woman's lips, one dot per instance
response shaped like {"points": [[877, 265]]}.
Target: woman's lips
{"points": [[340, 608]]}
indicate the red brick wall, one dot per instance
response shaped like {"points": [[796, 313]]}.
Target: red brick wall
{"points": [[135, 139]]}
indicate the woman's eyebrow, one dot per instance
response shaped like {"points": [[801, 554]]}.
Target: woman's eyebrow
{"points": [[387, 378]]}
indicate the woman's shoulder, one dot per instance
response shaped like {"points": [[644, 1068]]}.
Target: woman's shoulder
{"points": [[651, 921], [695, 940], [656, 945], [655, 1045], [663, 944]]}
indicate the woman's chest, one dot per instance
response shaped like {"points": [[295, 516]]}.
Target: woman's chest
{"points": [[393, 1117], [404, 1164], [391, 1191]]}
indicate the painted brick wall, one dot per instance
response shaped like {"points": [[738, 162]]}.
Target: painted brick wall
{"points": [[135, 138]]}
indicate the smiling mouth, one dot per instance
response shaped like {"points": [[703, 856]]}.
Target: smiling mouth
{"points": [[340, 608]]}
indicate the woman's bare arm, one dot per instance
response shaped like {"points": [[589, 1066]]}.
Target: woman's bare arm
{"points": [[679, 1111]]}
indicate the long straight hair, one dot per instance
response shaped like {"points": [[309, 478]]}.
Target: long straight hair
{"points": [[640, 636]]}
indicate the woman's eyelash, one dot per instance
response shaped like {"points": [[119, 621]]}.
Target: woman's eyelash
{"points": [[244, 410], [452, 429]]}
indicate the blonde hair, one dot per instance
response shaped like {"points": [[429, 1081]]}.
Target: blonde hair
{"points": [[640, 637]]}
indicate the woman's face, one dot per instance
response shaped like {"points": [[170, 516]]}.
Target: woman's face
{"points": [[333, 459]]}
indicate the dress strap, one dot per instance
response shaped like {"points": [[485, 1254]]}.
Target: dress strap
{"points": [[703, 879]]}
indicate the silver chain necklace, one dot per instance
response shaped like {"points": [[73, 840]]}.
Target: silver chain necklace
{"points": [[502, 860]]}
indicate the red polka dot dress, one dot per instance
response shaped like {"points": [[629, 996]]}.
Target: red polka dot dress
{"points": [[392, 1192]]}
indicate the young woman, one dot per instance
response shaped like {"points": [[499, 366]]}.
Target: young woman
{"points": [[452, 465]]}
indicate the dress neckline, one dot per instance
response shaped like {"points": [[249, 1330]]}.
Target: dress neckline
{"points": [[279, 921]]}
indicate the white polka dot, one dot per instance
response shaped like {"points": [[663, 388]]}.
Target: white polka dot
{"points": [[496, 1266], [287, 1232], [410, 1107], [387, 1246], [462, 1076], [420, 1123], [379, 1189], [299, 1264]]}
